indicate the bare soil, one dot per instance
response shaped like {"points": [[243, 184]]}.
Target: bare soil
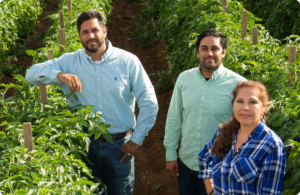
{"points": [[150, 175]]}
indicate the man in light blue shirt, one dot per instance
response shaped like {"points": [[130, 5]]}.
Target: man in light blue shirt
{"points": [[201, 101], [112, 80]]}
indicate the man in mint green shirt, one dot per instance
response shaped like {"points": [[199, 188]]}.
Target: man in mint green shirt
{"points": [[201, 101]]}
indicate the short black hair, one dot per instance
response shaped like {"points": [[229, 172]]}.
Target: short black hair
{"points": [[212, 32], [91, 14]]}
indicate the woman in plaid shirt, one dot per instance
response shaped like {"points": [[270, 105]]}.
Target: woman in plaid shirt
{"points": [[245, 156]]}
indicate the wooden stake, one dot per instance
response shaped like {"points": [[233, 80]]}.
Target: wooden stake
{"points": [[28, 138], [292, 58], [69, 6], [62, 38], [244, 24], [292, 54], [254, 35], [43, 93], [62, 20], [50, 54], [225, 5]]}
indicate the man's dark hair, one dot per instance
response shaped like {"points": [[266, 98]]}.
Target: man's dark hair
{"points": [[91, 14], [214, 33]]}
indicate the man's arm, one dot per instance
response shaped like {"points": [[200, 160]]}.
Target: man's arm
{"points": [[51, 72], [144, 92], [173, 130]]}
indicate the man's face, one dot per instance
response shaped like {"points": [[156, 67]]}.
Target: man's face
{"points": [[91, 35], [211, 53]]}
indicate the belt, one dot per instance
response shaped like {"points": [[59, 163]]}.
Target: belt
{"points": [[117, 136]]}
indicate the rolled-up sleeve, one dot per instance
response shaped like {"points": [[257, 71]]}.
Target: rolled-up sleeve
{"points": [[45, 72], [205, 158], [145, 95]]}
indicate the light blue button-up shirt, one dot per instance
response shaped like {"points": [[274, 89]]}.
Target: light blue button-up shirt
{"points": [[112, 87]]}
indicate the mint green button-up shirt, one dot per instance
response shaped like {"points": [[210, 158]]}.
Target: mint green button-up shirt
{"points": [[197, 108]]}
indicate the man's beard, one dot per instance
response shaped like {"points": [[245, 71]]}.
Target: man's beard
{"points": [[208, 66], [93, 49]]}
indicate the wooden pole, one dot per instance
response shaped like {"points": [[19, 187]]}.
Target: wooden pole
{"points": [[43, 89], [244, 24], [62, 20], [225, 5], [62, 38], [50, 54], [292, 58], [254, 35], [28, 138], [69, 6]]}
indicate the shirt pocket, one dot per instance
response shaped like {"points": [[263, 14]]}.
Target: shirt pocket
{"points": [[220, 105], [119, 84], [245, 170]]}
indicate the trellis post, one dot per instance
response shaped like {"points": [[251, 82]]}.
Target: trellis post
{"points": [[62, 19], [69, 6], [292, 58], [225, 5], [28, 138], [62, 39], [254, 35], [244, 24]]}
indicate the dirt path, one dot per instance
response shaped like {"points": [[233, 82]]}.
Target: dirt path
{"points": [[151, 177]]}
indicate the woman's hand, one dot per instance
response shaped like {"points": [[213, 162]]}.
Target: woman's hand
{"points": [[209, 185]]}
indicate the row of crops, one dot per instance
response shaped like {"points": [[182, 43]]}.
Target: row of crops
{"points": [[281, 18], [16, 23], [179, 22], [60, 133]]}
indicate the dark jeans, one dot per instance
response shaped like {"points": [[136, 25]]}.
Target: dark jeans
{"points": [[105, 157], [188, 181]]}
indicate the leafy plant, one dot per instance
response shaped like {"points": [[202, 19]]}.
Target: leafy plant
{"points": [[16, 22], [281, 18]]}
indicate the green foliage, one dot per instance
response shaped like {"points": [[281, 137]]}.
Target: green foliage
{"points": [[61, 140], [281, 18], [16, 22], [179, 23], [60, 132], [11, 69]]}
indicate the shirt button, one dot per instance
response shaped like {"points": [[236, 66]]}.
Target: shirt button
{"points": [[198, 133], [202, 96]]}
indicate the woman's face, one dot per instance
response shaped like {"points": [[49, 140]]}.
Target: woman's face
{"points": [[247, 107]]}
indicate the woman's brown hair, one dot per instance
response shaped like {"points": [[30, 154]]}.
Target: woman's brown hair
{"points": [[223, 141]]}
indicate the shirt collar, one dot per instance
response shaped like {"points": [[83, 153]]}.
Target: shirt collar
{"points": [[216, 74], [105, 55]]}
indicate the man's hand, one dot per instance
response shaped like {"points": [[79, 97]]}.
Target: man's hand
{"points": [[129, 148], [172, 168], [71, 80]]}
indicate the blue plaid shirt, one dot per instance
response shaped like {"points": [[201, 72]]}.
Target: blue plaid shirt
{"points": [[257, 167]]}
